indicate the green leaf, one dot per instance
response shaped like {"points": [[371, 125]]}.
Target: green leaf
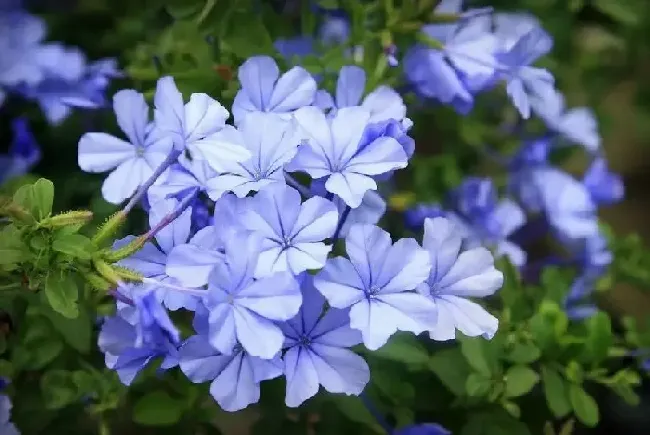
{"points": [[43, 197], [496, 422], [76, 332], [62, 293], [477, 385], [450, 367], [392, 387], [520, 380], [404, 348], [523, 353], [600, 337], [555, 390], [247, 36], [58, 389], [75, 245], [584, 406], [354, 409], [479, 355], [620, 10], [157, 409], [12, 249]]}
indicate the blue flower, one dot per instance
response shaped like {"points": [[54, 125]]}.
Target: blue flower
{"points": [[21, 46], [295, 48], [578, 125], [292, 233], [235, 378], [454, 277], [138, 334], [316, 351], [6, 427], [151, 260], [194, 126], [415, 216], [383, 103], [271, 140], [243, 309], [335, 30], [465, 64], [375, 282], [566, 203], [484, 219], [187, 177], [69, 82], [133, 162], [23, 154], [527, 85], [605, 187], [335, 150], [423, 429], [192, 263], [264, 90]]}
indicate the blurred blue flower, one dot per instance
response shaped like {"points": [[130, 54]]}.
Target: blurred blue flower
{"points": [[292, 232], [484, 219], [335, 151], [464, 64], [6, 427], [23, 153], [195, 125], [414, 217], [243, 309], [376, 283], [138, 334], [423, 429], [133, 162], [528, 86], [264, 90], [458, 275], [316, 350], [605, 187]]}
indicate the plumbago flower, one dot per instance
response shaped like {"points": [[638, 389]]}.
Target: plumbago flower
{"points": [[133, 162], [244, 309], [271, 140], [235, 377], [264, 90], [335, 150], [316, 350], [138, 334], [23, 153], [292, 233], [193, 126], [454, 276], [6, 426], [376, 283]]}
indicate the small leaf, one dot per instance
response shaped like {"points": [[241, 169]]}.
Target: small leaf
{"points": [[584, 406], [76, 332], [404, 348], [247, 36], [479, 355], [520, 380], [451, 368], [62, 293], [58, 389], [555, 390], [74, 245], [43, 197], [477, 385], [12, 249], [157, 409], [523, 353], [600, 337], [354, 409]]}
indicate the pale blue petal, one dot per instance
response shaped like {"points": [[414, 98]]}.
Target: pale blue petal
{"points": [[407, 265], [302, 378], [384, 104], [192, 264], [122, 183], [295, 88], [199, 361], [223, 328], [259, 336], [350, 86], [101, 152], [132, 114], [472, 275], [276, 297], [340, 283], [350, 187], [366, 246], [169, 112], [340, 370], [235, 387], [466, 316], [257, 77], [175, 233], [315, 222], [443, 242], [203, 116]]}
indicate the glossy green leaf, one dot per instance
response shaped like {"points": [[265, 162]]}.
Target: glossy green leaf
{"points": [[62, 293], [556, 392], [584, 406], [450, 367], [520, 380], [157, 408], [74, 245]]}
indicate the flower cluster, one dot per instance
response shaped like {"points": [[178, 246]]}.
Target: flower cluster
{"points": [[55, 76], [241, 240]]}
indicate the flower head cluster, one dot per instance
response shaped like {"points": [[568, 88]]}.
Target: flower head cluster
{"points": [[269, 297], [57, 77]]}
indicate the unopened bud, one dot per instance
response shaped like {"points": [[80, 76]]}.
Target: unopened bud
{"points": [[69, 218]]}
